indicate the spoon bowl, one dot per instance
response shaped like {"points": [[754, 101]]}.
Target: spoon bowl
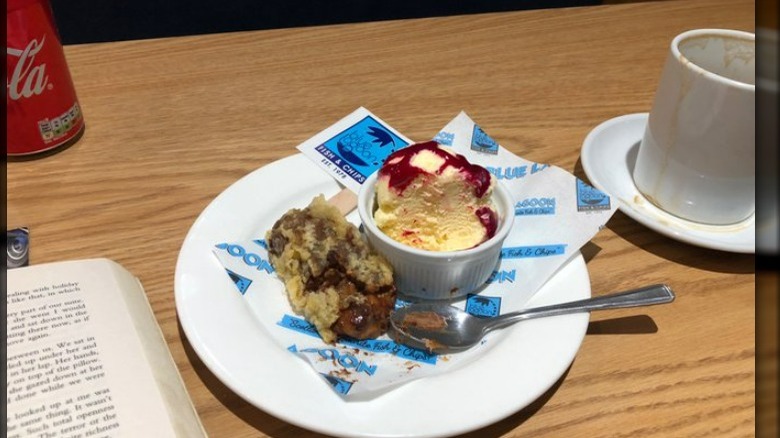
{"points": [[442, 328]]}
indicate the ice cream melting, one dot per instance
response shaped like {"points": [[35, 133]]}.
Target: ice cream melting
{"points": [[434, 199]]}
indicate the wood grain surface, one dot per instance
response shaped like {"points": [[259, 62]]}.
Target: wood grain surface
{"points": [[173, 122]]}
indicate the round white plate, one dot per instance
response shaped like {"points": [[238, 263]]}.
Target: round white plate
{"points": [[608, 156], [526, 360]]}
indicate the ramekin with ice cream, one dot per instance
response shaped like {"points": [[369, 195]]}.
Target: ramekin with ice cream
{"points": [[438, 219]]}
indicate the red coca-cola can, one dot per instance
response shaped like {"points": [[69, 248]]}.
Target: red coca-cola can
{"points": [[43, 111]]}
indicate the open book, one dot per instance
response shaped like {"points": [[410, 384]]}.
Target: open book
{"points": [[86, 357]]}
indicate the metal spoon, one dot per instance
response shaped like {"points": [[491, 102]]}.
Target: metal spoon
{"points": [[441, 328]]}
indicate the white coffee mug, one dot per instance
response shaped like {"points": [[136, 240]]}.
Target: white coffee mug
{"points": [[697, 157]]}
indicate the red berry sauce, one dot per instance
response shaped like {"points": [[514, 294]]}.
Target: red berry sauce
{"points": [[400, 173]]}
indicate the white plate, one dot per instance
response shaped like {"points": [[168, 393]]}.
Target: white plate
{"points": [[526, 360], [608, 156]]}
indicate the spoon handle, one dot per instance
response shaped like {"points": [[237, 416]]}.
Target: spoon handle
{"points": [[645, 296]]}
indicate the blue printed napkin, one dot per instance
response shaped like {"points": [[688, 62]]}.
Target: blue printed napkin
{"points": [[555, 215]]}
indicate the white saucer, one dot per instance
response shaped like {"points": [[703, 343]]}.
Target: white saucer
{"points": [[608, 156], [232, 333]]}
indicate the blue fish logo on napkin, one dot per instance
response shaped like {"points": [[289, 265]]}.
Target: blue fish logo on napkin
{"points": [[354, 148]]}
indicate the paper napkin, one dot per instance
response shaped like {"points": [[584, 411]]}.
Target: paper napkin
{"points": [[555, 214]]}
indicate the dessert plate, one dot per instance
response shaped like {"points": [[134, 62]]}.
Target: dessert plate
{"points": [[608, 156], [524, 362]]}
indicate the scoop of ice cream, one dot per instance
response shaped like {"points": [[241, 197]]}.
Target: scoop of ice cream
{"points": [[431, 198]]}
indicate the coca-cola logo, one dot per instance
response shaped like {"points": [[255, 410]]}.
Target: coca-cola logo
{"points": [[27, 78]]}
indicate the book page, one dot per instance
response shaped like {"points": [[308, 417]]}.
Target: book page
{"points": [[181, 412], [76, 366]]}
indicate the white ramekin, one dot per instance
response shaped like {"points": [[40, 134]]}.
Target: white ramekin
{"points": [[437, 275]]}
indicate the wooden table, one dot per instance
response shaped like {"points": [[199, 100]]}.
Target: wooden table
{"points": [[173, 122]]}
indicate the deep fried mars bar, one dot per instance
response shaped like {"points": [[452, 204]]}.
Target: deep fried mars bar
{"points": [[331, 275]]}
